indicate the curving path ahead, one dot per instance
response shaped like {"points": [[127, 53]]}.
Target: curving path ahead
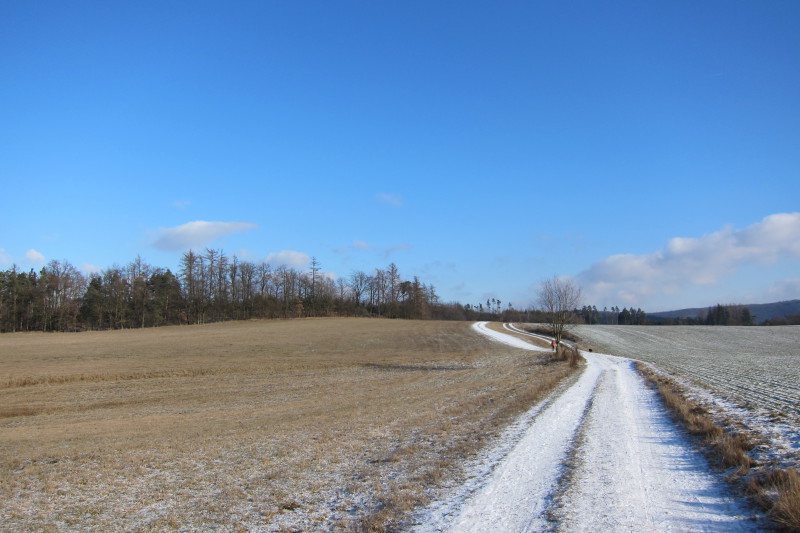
{"points": [[603, 457]]}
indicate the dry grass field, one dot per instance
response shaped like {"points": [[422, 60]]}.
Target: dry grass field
{"points": [[328, 424]]}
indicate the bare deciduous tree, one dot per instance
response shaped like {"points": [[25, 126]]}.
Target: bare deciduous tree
{"points": [[359, 283], [559, 297]]}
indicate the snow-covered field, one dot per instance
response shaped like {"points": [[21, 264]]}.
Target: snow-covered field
{"points": [[756, 366], [601, 455], [750, 373]]}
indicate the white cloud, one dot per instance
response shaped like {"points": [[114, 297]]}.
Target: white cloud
{"points": [[4, 259], [329, 274], [691, 262], [288, 258], [37, 258], [243, 254], [197, 233], [391, 199]]}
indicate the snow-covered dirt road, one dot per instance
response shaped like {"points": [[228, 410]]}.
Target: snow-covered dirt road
{"points": [[602, 456]]}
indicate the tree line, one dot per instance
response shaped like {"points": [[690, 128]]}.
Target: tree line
{"points": [[718, 315], [589, 314], [209, 286]]}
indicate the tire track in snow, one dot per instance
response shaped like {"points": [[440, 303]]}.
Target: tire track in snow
{"points": [[516, 342], [633, 470]]}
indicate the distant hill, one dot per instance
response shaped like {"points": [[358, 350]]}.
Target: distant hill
{"points": [[761, 312]]}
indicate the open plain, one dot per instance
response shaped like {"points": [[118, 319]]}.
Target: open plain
{"points": [[261, 425]]}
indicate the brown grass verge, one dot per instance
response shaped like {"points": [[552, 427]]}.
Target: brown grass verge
{"points": [[265, 425], [777, 491]]}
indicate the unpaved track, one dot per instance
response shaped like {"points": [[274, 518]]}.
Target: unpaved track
{"points": [[603, 456]]}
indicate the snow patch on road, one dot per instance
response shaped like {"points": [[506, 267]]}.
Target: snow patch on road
{"points": [[510, 340]]}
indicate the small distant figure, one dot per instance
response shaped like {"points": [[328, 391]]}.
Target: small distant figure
{"points": [[553, 344]]}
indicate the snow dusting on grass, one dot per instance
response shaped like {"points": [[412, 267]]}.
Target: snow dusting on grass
{"points": [[307, 425], [747, 375]]}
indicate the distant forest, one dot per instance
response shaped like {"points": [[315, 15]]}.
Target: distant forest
{"points": [[212, 287], [589, 314], [782, 313], [718, 315]]}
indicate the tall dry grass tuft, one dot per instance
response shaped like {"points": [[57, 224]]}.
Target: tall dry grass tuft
{"points": [[573, 356], [567, 353], [786, 509], [779, 492], [776, 491]]}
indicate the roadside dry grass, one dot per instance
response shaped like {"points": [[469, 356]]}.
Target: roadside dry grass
{"points": [[330, 424], [777, 491], [726, 448]]}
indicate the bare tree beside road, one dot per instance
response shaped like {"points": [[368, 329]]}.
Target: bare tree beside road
{"points": [[558, 298]]}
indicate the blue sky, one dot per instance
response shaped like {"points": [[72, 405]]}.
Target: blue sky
{"points": [[649, 150]]}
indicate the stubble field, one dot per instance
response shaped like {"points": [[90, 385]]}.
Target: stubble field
{"points": [[263, 426]]}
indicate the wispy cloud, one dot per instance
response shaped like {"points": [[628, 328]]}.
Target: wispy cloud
{"points": [[288, 258], [37, 258], [197, 233], [91, 269], [356, 245], [361, 246], [692, 262], [785, 289], [394, 200], [181, 204], [4, 259], [429, 269], [388, 252]]}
